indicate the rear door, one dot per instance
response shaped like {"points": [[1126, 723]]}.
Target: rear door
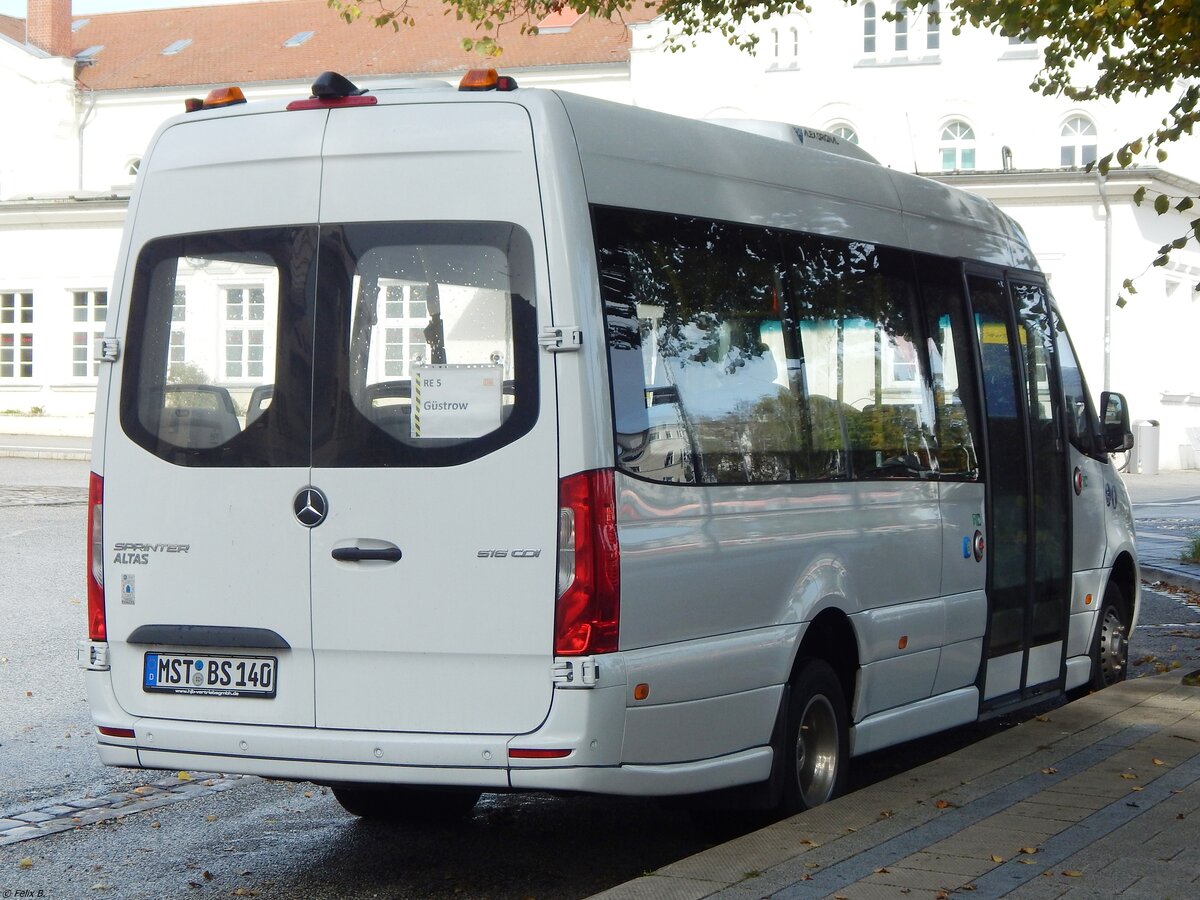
{"points": [[434, 436], [206, 567]]}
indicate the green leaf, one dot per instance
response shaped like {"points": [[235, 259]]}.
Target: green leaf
{"points": [[1139, 195], [1161, 204], [1185, 204], [1179, 243], [1121, 302]]}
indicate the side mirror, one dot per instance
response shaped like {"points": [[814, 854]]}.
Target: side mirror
{"points": [[1114, 422]]}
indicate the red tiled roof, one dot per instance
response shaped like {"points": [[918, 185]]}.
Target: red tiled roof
{"points": [[244, 44], [13, 29]]}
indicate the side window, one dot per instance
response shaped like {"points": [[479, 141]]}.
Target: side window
{"points": [[430, 332], [950, 354], [741, 355], [1082, 426], [701, 360], [868, 402], [214, 318]]}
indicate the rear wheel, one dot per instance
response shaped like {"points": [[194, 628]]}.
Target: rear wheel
{"points": [[392, 803], [817, 744], [1110, 646]]}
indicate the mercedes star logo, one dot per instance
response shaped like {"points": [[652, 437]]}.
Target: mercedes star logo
{"points": [[310, 507]]}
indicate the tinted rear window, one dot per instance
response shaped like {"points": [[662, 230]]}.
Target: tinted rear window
{"points": [[416, 340]]}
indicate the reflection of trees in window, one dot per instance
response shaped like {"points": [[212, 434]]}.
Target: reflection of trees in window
{"points": [[696, 343], [854, 303], [758, 383]]}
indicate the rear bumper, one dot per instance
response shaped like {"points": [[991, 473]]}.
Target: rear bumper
{"points": [[588, 724]]}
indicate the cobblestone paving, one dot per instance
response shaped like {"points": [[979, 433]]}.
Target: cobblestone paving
{"points": [[39, 821], [35, 495]]}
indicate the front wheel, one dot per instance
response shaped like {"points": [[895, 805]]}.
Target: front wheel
{"points": [[393, 803], [817, 743], [1110, 646]]}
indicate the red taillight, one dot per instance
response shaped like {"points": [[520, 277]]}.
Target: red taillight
{"points": [[588, 612], [97, 630], [116, 732], [517, 753]]}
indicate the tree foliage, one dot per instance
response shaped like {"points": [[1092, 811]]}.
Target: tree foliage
{"points": [[1092, 49]]}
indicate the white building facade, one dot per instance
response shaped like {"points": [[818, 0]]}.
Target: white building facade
{"points": [[916, 97]]}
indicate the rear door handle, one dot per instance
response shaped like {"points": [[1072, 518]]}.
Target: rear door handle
{"points": [[363, 554]]}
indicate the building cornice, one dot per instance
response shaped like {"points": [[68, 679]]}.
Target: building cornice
{"points": [[60, 211], [1052, 184]]}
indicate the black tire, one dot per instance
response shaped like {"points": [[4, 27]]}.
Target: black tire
{"points": [[393, 803], [817, 740], [1110, 643]]}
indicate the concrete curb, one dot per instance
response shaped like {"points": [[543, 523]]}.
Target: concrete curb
{"points": [[44, 453], [1172, 577]]}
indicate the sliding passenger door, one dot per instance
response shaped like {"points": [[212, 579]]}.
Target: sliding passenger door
{"points": [[1028, 526]]}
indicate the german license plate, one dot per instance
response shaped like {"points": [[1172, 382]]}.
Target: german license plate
{"points": [[210, 676]]}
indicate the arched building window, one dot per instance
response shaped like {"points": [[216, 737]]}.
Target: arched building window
{"points": [[958, 146], [868, 27], [1078, 145]]}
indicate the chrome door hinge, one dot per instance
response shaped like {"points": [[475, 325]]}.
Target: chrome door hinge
{"points": [[581, 673], [110, 349], [558, 339]]}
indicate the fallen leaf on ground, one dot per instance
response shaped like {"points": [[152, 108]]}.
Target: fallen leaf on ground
{"points": [[1049, 770], [1072, 873], [997, 859], [26, 863], [946, 804]]}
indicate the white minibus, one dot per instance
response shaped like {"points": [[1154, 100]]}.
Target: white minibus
{"points": [[497, 439]]}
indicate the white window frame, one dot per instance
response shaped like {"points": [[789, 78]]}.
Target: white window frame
{"points": [[250, 332], [16, 340], [958, 138], [1072, 137], [401, 314]]}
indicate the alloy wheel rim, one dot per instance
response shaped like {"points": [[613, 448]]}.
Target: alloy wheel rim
{"points": [[817, 751]]}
